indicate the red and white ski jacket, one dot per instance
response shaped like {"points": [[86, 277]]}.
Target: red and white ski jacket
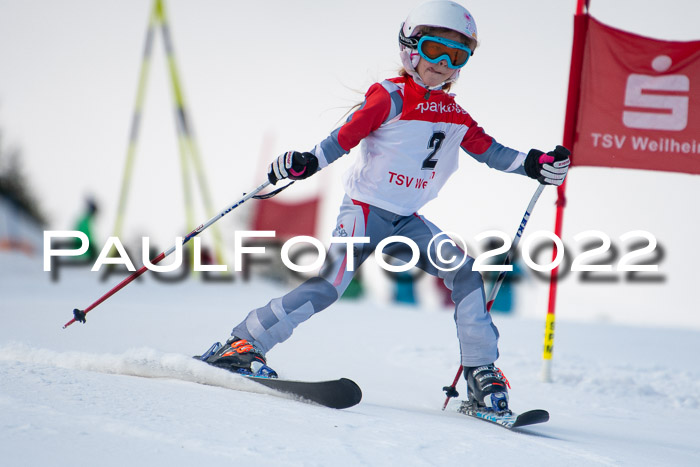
{"points": [[410, 145]]}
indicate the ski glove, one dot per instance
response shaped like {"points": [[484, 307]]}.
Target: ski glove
{"points": [[292, 165], [550, 168]]}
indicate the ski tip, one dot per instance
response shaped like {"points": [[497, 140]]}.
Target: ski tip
{"points": [[340, 393], [354, 389], [531, 417]]}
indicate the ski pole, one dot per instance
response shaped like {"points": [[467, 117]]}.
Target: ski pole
{"points": [[450, 391], [79, 315]]}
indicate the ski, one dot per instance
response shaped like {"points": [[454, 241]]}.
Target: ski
{"points": [[507, 419], [335, 394]]}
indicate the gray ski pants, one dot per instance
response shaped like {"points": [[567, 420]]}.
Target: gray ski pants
{"points": [[478, 336]]}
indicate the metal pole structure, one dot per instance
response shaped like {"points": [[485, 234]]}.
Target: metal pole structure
{"points": [[450, 390], [79, 315], [180, 117], [185, 135], [135, 123], [186, 139]]}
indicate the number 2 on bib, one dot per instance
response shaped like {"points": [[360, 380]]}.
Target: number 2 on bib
{"points": [[434, 144]]}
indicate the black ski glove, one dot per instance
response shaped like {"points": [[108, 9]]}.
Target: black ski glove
{"points": [[550, 168], [292, 165]]}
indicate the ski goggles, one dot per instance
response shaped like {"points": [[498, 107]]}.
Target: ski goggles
{"points": [[435, 49]]}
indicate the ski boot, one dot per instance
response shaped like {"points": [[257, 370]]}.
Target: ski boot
{"points": [[488, 387], [239, 356]]}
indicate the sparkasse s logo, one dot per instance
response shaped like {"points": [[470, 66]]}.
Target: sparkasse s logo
{"points": [[659, 102]]}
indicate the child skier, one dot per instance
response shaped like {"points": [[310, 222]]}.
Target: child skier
{"points": [[411, 131]]}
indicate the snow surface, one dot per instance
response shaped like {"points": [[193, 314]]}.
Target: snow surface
{"points": [[123, 390]]}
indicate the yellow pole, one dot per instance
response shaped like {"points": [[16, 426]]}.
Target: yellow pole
{"points": [[186, 138], [135, 123], [548, 348]]}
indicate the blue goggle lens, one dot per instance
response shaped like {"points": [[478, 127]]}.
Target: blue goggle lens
{"points": [[434, 49]]}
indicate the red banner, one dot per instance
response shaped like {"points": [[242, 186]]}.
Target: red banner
{"points": [[287, 219], [639, 103]]}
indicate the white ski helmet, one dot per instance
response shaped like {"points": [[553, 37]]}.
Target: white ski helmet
{"points": [[442, 14], [437, 13]]}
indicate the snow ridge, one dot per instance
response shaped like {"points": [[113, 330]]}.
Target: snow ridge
{"points": [[143, 362]]}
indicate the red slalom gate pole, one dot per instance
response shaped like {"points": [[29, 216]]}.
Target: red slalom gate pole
{"points": [[570, 122], [450, 391], [79, 315]]}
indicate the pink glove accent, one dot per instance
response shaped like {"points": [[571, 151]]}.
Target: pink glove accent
{"points": [[546, 159], [296, 174]]}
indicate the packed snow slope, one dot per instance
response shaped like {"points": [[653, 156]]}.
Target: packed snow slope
{"points": [[123, 390]]}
